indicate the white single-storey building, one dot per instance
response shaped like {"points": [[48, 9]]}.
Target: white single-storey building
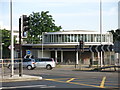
{"points": [[62, 46]]}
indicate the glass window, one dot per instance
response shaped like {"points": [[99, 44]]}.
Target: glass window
{"points": [[26, 60], [72, 38], [51, 38], [68, 37], [62, 38], [48, 38], [103, 38], [84, 37], [59, 38], [75, 38], [80, 36], [92, 37], [45, 38], [55, 38], [95, 37], [42, 60], [89, 37], [65, 37]]}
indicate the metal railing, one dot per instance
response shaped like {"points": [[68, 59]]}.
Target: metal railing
{"points": [[5, 69]]}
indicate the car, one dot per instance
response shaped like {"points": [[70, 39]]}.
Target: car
{"points": [[47, 63], [16, 64], [29, 63], [26, 63]]}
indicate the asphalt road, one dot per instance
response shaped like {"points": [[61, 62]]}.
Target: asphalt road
{"points": [[66, 77]]}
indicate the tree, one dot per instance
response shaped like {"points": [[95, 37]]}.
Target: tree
{"points": [[116, 35], [38, 23], [6, 39]]}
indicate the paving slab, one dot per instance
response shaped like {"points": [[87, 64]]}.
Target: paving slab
{"points": [[16, 78]]}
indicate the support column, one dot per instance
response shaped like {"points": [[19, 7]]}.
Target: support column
{"points": [[98, 58], [101, 59], [93, 57], [61, 56], [77, 57], [116, 58], [56, 56], [110, 62]]}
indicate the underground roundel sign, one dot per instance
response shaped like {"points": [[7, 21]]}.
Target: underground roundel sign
{"points": [[28, 52]]}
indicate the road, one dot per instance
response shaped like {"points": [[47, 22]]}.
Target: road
{"points": [[67, 77]]}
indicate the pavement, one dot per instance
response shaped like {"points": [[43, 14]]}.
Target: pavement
{"points": [[15, 78], [84, 68]]}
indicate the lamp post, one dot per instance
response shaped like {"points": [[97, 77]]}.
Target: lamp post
{"points": [[101, 56], [12, 42], [42, 43]]}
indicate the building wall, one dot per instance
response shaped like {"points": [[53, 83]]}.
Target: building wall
{"points": [[45, 54], [76, 36], [34, 53]]}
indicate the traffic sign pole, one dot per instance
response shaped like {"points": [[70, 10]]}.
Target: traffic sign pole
{"points": [[20, 50]]}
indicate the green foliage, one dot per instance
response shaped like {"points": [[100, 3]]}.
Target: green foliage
{"points": [[116, 35], [6, 39], [38, 23], [6, 36]]}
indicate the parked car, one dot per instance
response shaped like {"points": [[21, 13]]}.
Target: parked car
{"points": [[29, 63], [47, 63], [16, 64], [26, 63]]}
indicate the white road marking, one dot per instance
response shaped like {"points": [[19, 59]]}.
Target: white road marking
{"points": [[40, 86]]}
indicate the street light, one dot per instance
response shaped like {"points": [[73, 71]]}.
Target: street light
{"points": [[12, 40], [101, 61], [42, 43]]}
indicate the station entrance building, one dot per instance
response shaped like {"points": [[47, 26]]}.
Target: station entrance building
{"points": [[63, 46]]}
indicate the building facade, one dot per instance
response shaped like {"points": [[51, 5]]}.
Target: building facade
{"points": [[63, 46]]}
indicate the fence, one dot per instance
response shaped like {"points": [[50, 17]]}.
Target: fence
{"points": [[6, 67]]}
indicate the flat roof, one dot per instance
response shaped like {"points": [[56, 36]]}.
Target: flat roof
{"points": [[76, 32]]}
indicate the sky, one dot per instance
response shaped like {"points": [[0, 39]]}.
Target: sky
{"points": [[69, 14]]}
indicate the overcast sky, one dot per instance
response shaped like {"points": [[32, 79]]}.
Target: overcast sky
{"points": [[70, 14]]}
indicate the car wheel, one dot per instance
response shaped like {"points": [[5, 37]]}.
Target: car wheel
{"points": [[48, 67], [29, 67]]}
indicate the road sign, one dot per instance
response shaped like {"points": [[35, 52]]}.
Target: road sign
{"points": [[99, 48], [10, 47], [93, 48], [28, 52]]}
